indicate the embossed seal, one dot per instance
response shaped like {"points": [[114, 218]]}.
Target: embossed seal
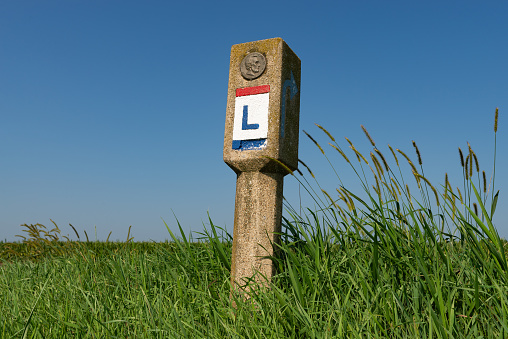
{"points": [[253, 65]]}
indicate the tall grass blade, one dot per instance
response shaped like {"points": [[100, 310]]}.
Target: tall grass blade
{"points": [[27, 323]]}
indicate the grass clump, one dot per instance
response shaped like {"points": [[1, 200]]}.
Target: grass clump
{"points": [[403, 259]]}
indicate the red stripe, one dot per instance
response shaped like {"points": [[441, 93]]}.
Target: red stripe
{"points": [[240, 92]]}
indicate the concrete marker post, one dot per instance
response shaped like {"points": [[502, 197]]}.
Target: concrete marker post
{"points": [[262, 122]]}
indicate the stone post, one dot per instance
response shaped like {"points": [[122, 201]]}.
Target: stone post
{"points": [[262, 124]]}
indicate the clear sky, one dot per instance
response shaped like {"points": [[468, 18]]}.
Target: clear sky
{"points": [[112, 112]]}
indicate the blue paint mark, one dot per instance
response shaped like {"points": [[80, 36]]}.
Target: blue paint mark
{"points": [[293, 89], [237, 144], [245, 125], [243, 145]]}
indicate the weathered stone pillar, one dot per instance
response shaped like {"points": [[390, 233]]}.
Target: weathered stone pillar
{"points": [[262, 122]]}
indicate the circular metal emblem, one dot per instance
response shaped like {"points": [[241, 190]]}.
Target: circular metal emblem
{"points": [[253, 65]]}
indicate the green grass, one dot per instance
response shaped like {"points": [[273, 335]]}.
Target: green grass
{"points": [[393, 261]]}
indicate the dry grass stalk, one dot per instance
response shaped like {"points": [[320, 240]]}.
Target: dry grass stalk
{"points": [[495, 120], [348, 196], [368, 136], [461, 158], [394, 155], [408, 160], [281, 164], [460, 196], [307, 167], [396, 185], [477, 165], [340, 151], [446, 187], [373, 173], [470, 155], [409, 195], [377, 191], [377, 165], [471, 166], [484, 182], [382, 158], [345, 197], [431, 187], [329, 197], [314, 141], [391, 189], [395, 190], [358, 154], [344, 214], [327, 133], [417, 153], [417, 177], [377, 188], [466, 168]]}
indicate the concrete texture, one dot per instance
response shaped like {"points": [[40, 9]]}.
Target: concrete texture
{"points": [[258, 214], [281, 62], [259, 184]]}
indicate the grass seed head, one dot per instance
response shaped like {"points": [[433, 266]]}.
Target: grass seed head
{"points": [[77, 234], [495, 120], [377, 164], [391, 189], [413, 167], [409, 195], [477, 165], [431, 187], [461, 158], [393, 153], [382, 158], [359, 155], [395, 192], [328, 196], [327, 133], [450, 187], [460, 196], [417, 153], [307, 167], [340, 151], [470, 155], [466, 168], [408, 161], [373, 173], [417, 177], [484, 182], [314, 141], [345, 199], [396, 185], [351, 204], [368, 135]]}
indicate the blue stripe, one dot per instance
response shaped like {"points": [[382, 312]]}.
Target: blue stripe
{"points": [[243, 145]]}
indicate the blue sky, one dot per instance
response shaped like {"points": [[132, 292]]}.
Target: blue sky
{"points": [[112, 112]]}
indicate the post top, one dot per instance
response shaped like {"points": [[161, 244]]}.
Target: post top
{"points": [[262, 115]]}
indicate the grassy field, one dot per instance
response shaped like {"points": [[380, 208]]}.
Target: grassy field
{"points": [[385, 263]]}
